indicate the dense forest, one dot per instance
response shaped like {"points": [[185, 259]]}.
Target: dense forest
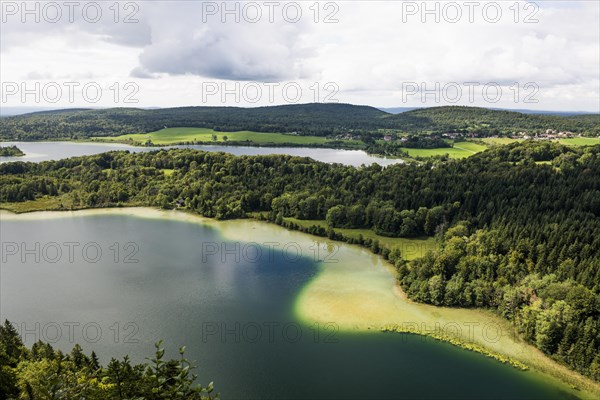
{"points": [[10, 151], [304, 119], [329, 120], [42, 372], [518, 225]]}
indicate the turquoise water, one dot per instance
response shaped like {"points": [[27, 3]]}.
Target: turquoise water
{"points": [[231, 306]]}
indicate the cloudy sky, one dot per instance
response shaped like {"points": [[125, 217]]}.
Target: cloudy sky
{"points": [[539, 55]]}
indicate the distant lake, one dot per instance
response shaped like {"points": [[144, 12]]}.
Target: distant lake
{"points": [[233, 310], [45, 151]]}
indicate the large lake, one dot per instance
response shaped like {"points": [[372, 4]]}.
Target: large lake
{"points": [[130, 281], [44, 151]]}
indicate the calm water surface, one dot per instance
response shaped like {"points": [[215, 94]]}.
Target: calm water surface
{"points": [[44, 151], [231, 306]]}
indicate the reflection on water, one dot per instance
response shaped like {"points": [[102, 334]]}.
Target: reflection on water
{"points": [[44, 151], [139, 280]]}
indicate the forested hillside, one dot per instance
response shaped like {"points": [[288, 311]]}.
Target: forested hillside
{"points": [[487, 122], [303, 119], [516, 235]]}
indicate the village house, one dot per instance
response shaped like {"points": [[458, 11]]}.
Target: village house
{"points": [[450, 135]]}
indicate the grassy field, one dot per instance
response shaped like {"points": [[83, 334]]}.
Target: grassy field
{"points": [[204, 135], [466, 149], [499, 140], [308, 222], [580, 141], [41, 204], [460, 150], [409, 248]]}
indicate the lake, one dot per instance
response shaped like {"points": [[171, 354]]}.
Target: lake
{"points": [[44, 151], [116, 282]]}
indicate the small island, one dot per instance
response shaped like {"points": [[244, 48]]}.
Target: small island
{"points": [[11, 151]]}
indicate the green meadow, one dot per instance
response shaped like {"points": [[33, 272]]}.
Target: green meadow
{"points": [[502, 140], [170, 136], [178, 135], [580, 141], [466, 149], [45, 203], [410, 248], [577, 141], [460, 150]]}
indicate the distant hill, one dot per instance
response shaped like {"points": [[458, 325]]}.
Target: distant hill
{"points": [[398, 110], [546, 112], [488, 122], [12, 111], [303, 119]]}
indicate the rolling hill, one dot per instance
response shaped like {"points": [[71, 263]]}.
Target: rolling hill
{"points": [[489, 122], [303, 119]]}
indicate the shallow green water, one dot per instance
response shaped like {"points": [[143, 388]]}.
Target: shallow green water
{"points": [[232, 308]]}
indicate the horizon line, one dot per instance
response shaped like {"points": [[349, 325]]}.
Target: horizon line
{"points": [[33, 109]]}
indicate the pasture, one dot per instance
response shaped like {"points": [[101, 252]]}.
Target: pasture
{"points": [[205, 135]]}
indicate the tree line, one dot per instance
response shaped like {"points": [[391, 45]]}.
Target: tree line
{"points": [[425, 142], [10, 151]]}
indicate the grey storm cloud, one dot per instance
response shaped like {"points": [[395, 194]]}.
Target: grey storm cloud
{"points": [[141, 73], [223, 55], [223, 50], [175, 39]]}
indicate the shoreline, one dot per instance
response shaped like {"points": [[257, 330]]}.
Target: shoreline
{"points": [[108, 141], [157, 147], [361, 294]]}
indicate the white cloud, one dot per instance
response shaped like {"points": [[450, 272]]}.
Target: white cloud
{"points": [[183, 43], [370, 53]]}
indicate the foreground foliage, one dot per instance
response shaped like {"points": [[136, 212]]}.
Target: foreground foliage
{"points": [[516, 236], [45, 373]]}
